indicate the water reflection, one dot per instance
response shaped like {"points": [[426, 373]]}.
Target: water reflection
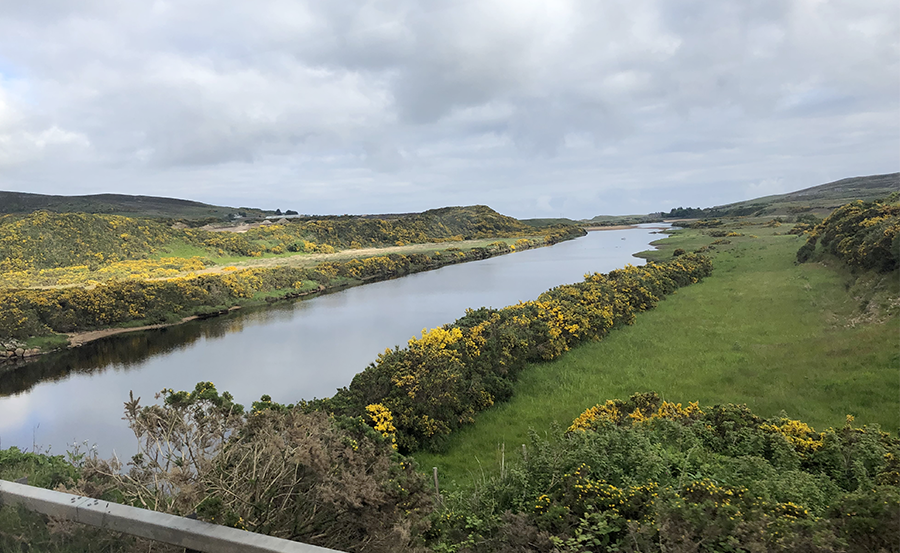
{"points": [[291, 351]]}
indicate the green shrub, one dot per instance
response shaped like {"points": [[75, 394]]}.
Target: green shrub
{"points": [[647, 475]]}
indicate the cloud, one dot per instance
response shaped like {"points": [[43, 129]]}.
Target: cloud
{"points": [[398, 105]]}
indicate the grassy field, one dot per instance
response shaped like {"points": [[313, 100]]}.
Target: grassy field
{"points": [[761, 330]]}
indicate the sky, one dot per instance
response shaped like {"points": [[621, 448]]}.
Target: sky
{"points": [[562, 108]]}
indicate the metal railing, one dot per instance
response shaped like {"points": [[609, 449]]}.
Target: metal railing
{"points": [[174, 530]]}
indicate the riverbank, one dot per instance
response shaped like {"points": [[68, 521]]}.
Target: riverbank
{"points": [[333, 272], [77, 339]]}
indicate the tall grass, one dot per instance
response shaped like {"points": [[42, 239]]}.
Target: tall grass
{"points": [[761, 330]]}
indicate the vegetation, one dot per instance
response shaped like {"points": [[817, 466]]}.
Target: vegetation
{"points": [[635, 475], [65, 272], [440, 381], [820, 199], [311, 477], [37, 312], [550, 222], [813, 339], [615, 220], [44, 240], [863, 235], [120, 204], [651, 475], [638, 475]]}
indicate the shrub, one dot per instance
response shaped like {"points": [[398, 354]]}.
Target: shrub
{"points": [[646, 474], [310, 477], [865, 235]]}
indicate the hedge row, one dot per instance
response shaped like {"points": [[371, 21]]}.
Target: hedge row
{"points": [[441, 380]]}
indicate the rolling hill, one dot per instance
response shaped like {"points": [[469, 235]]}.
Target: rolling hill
{"points": [[824, 196], [118, 204]]}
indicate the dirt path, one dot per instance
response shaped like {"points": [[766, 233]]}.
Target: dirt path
{"points": [[79, 338], [313, 259]]}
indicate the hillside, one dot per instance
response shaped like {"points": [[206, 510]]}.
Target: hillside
{"points": [[823, 197], [49, 240], [820, 200], [119, 204]]}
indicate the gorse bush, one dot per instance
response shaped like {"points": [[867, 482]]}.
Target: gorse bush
{"points": [[445, 224], [44, 240], [134, 269], [441, 380], [107, 258], [650, 475], [35, 312], [865, 235]]}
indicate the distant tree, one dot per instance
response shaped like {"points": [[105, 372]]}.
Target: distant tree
{"points": [[685, 213]]}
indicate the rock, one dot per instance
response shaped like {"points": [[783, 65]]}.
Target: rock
{"points": [[32, 352], [20, 352]]}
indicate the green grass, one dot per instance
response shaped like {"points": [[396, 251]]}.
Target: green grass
{"points": [[48, 343], [180, 248], [761, 331]]}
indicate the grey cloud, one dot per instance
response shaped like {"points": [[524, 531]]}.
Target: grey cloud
{"points": [[413, 105]]}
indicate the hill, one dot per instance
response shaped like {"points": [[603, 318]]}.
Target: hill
{"points": [[827, 196], [821, 199], [119, 204]]}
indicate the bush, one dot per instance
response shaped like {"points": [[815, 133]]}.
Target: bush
{"points": [[311, 477], [864, 235], [646, 474]]}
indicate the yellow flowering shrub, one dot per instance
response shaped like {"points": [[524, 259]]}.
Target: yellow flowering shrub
{"points": [[382, 422], [439, 381], [862, 234]]}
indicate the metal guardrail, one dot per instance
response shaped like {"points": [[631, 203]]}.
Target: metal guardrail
{"points": [[174, 530]]}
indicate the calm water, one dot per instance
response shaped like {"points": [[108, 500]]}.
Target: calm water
{"points": [[290, 351]]}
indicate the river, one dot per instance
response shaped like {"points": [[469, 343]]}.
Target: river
{"points": [[291, 351]]}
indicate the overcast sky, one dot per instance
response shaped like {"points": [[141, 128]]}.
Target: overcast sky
{"points": [[536, 108]]}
